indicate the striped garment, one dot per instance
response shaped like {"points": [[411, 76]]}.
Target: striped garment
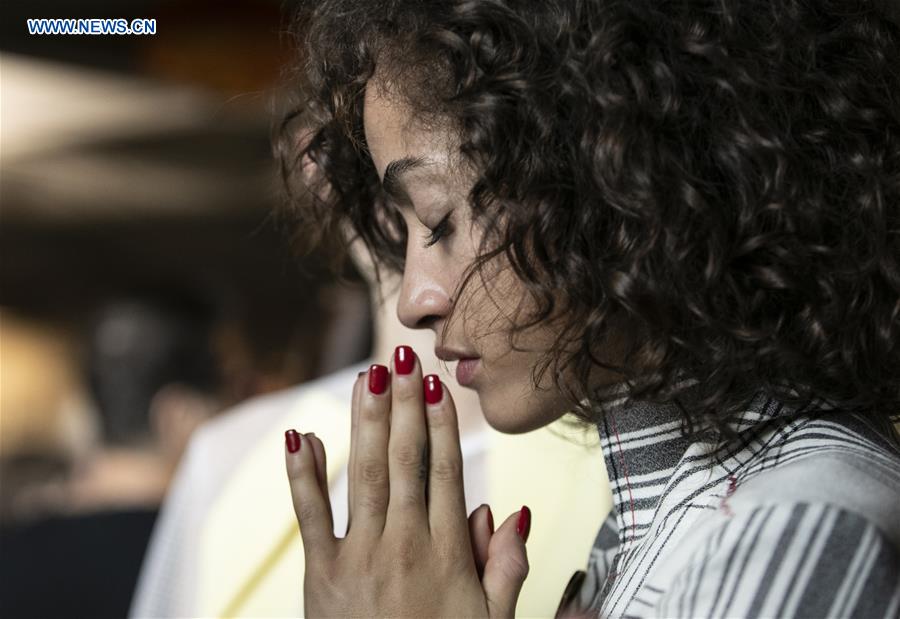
{"points": [[799, 516]]}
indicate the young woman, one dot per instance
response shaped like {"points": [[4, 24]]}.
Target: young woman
{"points": [[678, 220]]}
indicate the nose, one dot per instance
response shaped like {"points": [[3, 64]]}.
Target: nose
{"points": [[424, 298]]}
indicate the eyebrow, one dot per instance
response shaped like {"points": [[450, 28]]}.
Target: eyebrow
{"points": [[392, 183]]}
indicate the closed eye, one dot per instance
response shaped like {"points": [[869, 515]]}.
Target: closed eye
{"points": [[439, 231]]}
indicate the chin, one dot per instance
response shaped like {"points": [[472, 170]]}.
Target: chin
{"points": [[512, 415]]}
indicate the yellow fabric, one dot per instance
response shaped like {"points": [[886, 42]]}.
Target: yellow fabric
{"points": [[251, 562], [566, 487], [249, 520]]}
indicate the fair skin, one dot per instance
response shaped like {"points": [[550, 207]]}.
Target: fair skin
{"points": [[425, 192], [388, 332], [410, 550]]}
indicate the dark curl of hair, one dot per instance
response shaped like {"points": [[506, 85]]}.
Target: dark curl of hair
{"points": [[721, 176]]}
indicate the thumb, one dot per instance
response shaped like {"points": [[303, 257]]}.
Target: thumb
{"points": [[507, 564]]}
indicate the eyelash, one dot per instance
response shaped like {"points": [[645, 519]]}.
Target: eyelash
{"points": [[439, 231]]}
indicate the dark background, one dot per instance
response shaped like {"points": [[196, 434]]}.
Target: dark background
{"points": [[141, 167]]}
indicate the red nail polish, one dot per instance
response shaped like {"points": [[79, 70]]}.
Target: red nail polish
{"points": [[490, 519], [404, 360], [378, 379], [292, 440], [433, 389], [523, 526]]}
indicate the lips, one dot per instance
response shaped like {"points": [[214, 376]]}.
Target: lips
{"points": [[465, 371], [445, 353]]}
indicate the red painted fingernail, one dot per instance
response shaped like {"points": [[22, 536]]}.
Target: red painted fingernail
{"points": [[292, 440], [433, 389], [490, 519], [378, 378], [523, 526], [404, 360]]}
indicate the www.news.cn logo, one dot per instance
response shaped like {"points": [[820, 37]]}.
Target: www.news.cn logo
{"points": [[92, 26]]}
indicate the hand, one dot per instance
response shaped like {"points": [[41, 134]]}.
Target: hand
{"points": [[409, 548]]}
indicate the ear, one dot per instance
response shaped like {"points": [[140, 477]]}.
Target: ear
{"points": [[175, 412]]}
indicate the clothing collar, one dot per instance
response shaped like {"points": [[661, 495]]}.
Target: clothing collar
{"points": [[643, 443]]}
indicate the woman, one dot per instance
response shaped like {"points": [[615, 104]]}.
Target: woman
{"points": [[679, 220]]}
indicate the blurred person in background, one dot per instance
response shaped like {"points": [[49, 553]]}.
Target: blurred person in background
{"points": [[154, 174], [227, 544], [46, 420], [153, 377]]}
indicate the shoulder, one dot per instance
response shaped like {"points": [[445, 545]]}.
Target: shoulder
{"points": [[809, 525], [229, 432], [218, 447], [850, 432], [859, 437], [839, 460], [786, 559]]}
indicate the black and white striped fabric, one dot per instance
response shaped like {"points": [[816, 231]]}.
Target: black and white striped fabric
{"points": [[797, 517]]}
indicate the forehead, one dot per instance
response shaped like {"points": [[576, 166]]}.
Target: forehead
{"points": [[393, 132]]}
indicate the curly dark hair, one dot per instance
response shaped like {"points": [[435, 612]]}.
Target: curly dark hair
{"points": [[721, 176]]}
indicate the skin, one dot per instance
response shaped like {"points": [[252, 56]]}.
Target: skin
{"points": [[476, 323], [408, 552]]}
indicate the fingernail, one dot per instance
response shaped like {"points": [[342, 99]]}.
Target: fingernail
{"points": [[378, 378], [433, 389], [490, 519], [523, 526], [292, 440], [404, 360], [571, 591]]}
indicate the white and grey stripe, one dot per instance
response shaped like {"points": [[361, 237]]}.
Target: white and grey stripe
{"points": [[797, 516]]}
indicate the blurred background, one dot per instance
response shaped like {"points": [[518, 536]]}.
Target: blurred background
{"points": [[144, 284]]}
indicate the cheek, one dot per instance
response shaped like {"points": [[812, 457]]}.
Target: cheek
{"points": [[512, 406], [493, 303], [492, 296]]}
